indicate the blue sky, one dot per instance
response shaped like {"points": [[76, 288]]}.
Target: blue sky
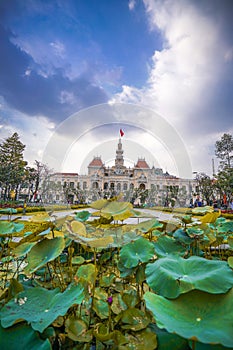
{"points": [[174, 57]]}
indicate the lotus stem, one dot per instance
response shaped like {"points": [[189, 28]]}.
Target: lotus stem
{"points": [[50, 273], [61, 273], [93, 289]]}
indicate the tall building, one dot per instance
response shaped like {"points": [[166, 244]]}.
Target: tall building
{"points": [[138, 183]]}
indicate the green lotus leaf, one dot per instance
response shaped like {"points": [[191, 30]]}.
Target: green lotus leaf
{"points": [[22, 336], [230, 241], [138, 251], [95, 241], [7, 259], [186, 219], [45, 232], [130, 236], [166, 245], [23, 249], [8, 211], [196, 315], [8, 228], [133, 342], [134, 319], [78, 228], [18, 226], [77, 260], [170, 225], [82, 215], [202, 210], [43, 252], [49, 333], [87, 273], [102, 334], [194, 232], [14, 288], [140, 274], [220, 220], [124, 271], [230, 261], [138, 214], [99, 204], [182, 237], [118, 304], [156, 233], [122, 237], [211, 237], [41, 217], [172, 276], [146, 339], [54, 233], [201, 346], [149, 225], [27, 233], [77, 330], [117, 210], [102, 242], [225, 227], [39, 306], [168, 341], [105, 257], [107, 280], [100, 304], [130, 297]]}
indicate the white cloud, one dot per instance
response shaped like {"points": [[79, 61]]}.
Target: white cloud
{"points": [[67, 97], [132, 4], [33, 132], [58, 48], [184, 75]]}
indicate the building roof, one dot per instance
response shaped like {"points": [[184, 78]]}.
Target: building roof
{"points": [[96, 162], [142, 164], [66, 174]]}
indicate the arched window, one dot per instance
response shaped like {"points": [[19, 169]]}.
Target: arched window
{"points": [[118, 186], [112, 185], [84, 185], [125, 186], [142, 187], [105, 186], [131, 186], [95, 185]]}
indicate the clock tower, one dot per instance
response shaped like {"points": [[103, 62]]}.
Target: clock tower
{"points": [[119, 160]]}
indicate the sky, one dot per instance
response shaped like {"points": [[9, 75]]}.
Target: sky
{"points": [[73, 72]]}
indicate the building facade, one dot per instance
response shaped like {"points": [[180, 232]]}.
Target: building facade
{"points": [[138, 184]]}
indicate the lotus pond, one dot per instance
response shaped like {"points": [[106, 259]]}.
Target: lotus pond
{"points": [[76, 283]]}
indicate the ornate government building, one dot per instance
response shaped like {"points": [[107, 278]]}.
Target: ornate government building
{"points": [[137, 184]]}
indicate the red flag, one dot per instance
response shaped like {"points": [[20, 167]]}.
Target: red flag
{"points": [[122, 132]]}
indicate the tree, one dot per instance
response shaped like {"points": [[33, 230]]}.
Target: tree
{"points": [[224, 183], [206, 188], [224, 151], [42, 175], [12, 165]]}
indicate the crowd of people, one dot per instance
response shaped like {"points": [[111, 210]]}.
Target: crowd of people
{"points": [[216, 203]]}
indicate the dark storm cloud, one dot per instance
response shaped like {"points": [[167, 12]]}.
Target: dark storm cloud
{"points": [[34, 94]]}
